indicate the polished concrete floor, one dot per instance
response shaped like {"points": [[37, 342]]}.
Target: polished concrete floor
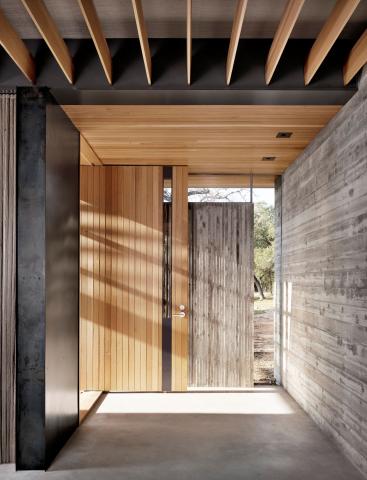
{"points": [[259, 434]]}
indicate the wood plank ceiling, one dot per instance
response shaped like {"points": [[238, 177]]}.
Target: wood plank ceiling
{"points": [[47, 28], [210, 140]]}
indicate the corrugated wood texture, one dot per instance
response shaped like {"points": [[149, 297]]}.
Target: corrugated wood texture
{"points": [[7, 277], [324, 269], [180, 278], [221, 295], [121, 278]]}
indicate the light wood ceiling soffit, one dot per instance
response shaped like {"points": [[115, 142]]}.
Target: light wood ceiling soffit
{"points": [[91, 11], [209, 139]]}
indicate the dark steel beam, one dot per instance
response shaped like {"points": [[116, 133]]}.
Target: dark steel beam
{"points": [[169, 82]]}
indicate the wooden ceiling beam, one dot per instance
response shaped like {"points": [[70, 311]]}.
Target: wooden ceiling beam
{"points": [[357, 59], [143, 38], [16, 49], [47, 28], [94, 26], [235, 37], [188, 39], [286, 25], [331, 30]]}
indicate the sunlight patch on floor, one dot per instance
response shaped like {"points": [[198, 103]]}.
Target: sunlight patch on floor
{"points": [[264, 402]]}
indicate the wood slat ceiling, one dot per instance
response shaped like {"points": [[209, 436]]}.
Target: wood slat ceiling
{"points": [[225, 139]]}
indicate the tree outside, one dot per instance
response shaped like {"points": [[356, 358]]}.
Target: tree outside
{"points": [[264, 248]]}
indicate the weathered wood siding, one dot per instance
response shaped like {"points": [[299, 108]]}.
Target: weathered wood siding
{"points": [[323, 326], [221, 295], [7, 277]]}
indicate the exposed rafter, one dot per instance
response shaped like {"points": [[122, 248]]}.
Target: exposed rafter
{"points": [[356, 59], [143, 38], [235, 37], [189, 39], [47, 28], [337, 20], [91, 19], [16, 49], [286, 25]]}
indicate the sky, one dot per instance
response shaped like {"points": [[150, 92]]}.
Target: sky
{"points": [[264, 195]]}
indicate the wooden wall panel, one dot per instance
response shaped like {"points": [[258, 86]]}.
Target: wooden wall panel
{"points": [[121, 277], [180, 278], [7, 276], [221, 295]]}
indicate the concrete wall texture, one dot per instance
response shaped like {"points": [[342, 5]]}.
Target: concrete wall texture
{"points": [[321, 322]]}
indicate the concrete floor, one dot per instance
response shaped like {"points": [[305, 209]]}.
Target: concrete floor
{"points": [[254, 435]]}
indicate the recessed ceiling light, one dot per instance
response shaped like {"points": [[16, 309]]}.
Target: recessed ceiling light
{"points": [[269, 159], [284, 134]]}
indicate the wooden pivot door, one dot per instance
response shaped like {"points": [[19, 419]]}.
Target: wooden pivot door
{"points": [[121, 278], [180, 279]]}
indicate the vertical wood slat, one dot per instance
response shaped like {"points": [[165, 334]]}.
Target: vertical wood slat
{"points": [[124, 276], [102, 274], [121, 276], [114, 240], [90, 313], [119, 280], [130, 175], [95, 323], [179, 277], [221, 295], [149, 279], [83, 276], [137, 281], [108, 259], [7, 276]]}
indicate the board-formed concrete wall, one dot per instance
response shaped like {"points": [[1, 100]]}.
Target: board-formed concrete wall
{"points": [[321, 328]]}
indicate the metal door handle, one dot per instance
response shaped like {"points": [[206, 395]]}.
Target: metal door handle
{"points": [[181, 314]]}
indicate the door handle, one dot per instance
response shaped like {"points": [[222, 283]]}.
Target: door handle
{"points": [[181, 314]]}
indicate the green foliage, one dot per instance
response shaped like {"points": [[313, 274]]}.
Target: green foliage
{"points": [[264, 244]]}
